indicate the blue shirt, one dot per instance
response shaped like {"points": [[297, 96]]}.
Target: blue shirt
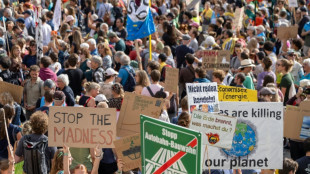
{"points": [[30, 60], [123, 74], [94, 52], [305, 77], [201, 80]]}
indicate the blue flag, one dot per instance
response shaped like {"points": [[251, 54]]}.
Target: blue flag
{"points": [[139, 22]]}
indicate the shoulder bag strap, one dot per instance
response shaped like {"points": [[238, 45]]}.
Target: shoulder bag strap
{"points": [[150, 91]]}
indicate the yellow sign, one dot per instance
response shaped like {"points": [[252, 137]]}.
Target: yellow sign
{"points": [[229, 93]]}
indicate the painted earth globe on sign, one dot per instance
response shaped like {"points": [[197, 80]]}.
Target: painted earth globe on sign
{"points": [[243, 142]]}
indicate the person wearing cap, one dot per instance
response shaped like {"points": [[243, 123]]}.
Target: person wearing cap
{"points": [[246, 66], [267, 94], [304, 19], [105, 87], [98, 72], [120, 30], [28, 19], [182, 50], [119, 43]]}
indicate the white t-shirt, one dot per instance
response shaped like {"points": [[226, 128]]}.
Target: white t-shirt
{"points": [[46, 33]]}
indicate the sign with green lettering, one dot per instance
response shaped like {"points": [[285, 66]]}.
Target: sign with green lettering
{"points": [[168, 148]]}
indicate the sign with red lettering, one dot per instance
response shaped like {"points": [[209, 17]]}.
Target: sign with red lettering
{"points": [[82, 127], [213, 59]]}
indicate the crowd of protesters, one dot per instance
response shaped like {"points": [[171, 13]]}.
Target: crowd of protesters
{"points": [[89, 62]]}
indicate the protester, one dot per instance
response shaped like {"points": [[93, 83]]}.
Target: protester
{"points": [[62, 83]]}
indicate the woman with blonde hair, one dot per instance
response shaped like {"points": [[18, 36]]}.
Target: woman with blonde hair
{"points": [[6, 98], [106, 54], [92, 90], [142, 80], [168, 53], [77, 39]]}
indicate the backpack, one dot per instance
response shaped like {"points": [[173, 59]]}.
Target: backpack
{"points": [[34, 156], [131, 81]]}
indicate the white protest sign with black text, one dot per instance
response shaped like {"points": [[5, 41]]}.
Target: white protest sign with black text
{"points": [[217, 130], [258, 138], [203, 97]]}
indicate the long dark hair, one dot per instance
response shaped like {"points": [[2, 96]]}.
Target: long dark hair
{"points": [[171, 33]]}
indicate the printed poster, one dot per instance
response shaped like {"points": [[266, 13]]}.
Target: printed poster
{"points": [[202, 97], [168, 148], [217, 130], [231, 93], [258, 138]]}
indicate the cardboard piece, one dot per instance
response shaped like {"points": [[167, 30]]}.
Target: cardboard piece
{"points": [[258, 138], [293, 120], [15, 90], [230, 93], [202, 96], [217, 130], [81, 127], [168, 148], [129, 150], [172, 80], [237, 22], [287, 32], [134, 105], [213, 59]]}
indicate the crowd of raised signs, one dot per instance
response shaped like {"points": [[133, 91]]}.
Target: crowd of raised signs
{"points": [[88, 62]]}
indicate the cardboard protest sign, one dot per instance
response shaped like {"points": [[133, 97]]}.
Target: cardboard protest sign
{"points": [[129, 150], [287, 32], [217, 130], [168, 148], [296, 120], [134, 105], [15, 90], [292, 3], [237, 22], [258, 138], [81, 127], [230, 93], [202, 96], [172, 80], [213, 59]]}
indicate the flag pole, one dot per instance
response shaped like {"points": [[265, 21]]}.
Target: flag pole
{"points": [[150, 36]]}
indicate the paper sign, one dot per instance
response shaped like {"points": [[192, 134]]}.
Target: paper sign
{"points": [[217, 130], [172, 80], [203, 97], [292, 3], [212, 59], [237, 23], [258, 138], [287, 32], [15, 90], [134, 105], [168, 148], [129, 150], [230, 93], [81, 127]]}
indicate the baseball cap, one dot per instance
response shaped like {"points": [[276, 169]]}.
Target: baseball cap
{"points": [[100, 98], [112, 34], [69, 18], [110, 72], [59, 95], [27, 12], [266, 91], [21, 20], [186, 37]]}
